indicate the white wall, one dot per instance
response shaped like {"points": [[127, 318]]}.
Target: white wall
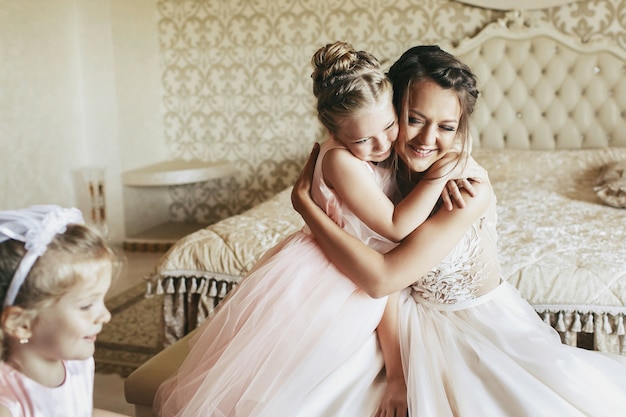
{"points": [[79, 86]]}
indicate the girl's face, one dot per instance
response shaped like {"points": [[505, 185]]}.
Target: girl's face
{"points": [[370, 135], [67, 328], [429, 133]]}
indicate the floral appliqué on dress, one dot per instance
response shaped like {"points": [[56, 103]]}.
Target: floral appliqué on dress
{"points": [[458, 276]]}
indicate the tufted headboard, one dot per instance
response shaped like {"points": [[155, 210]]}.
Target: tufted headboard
{"points": [[541, 89]]}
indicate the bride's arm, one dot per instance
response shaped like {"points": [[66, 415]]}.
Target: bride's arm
{"points": [[383, 274]]}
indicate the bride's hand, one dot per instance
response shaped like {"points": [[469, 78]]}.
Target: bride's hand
{"points": [[301, 191]]}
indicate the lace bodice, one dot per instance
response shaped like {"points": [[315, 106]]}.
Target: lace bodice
{"points": [[459, 276]]}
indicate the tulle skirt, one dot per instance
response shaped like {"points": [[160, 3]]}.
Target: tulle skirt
{"points": [[296, 338], [493, 356]]}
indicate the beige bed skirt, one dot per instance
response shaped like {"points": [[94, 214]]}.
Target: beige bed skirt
{"points": [[189, 300]]}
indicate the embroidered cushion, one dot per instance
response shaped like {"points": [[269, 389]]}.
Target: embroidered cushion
{"points": [[611, 184]]}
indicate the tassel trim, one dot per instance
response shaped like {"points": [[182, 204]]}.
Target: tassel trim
{"points": [[560, 323], [213, 286], [585, 321], [566, 319], [620, 325], [606, 326]]}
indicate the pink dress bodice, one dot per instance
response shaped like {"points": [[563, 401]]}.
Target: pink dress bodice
{"points": [[327, 199]]}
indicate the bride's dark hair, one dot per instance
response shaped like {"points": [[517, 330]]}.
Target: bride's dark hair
{"points": [[430, 62]]}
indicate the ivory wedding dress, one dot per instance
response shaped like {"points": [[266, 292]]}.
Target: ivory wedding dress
{"points": [[492, 355]]}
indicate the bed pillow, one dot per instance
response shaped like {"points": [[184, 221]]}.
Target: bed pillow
{"points": [[611, 184]]}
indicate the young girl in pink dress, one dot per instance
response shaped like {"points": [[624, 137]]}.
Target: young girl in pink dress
{"points": [[470, 344], [54, 273], [297, 338]]}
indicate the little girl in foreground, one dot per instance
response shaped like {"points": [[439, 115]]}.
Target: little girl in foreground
{"points": [[54, 274]]}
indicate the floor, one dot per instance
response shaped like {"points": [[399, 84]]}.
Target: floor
{"points": [[108, 388]]}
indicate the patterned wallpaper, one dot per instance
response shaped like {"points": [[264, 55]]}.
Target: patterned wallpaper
{"points": [[237, 87]]}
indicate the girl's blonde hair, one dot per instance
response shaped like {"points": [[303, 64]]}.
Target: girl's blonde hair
{"points": [[56, 271], [346, 82]]}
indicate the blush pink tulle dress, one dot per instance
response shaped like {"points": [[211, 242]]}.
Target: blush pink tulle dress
{"points": [[296, 338]]}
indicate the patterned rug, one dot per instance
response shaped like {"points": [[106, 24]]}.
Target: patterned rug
{"points": [[134, 333]]}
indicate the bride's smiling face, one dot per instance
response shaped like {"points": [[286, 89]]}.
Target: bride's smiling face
{"points": [[433, 116]]}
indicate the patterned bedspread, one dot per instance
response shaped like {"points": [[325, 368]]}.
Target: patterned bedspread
{"points": [[559, 244]]}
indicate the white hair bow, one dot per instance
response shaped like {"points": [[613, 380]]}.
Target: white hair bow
{"points": [[36, 226]]}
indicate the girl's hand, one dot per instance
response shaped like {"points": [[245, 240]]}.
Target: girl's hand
{"points": [[472, 171], [456, 166], [301, 192], [394, 402], [459, 175], [451, 194]]}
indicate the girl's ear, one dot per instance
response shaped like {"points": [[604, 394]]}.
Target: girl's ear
{"points": [[17, 322]]}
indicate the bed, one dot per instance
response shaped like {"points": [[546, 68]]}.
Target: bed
{"points": [[550, 128]]}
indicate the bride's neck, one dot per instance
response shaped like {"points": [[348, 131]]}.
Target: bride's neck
{"points": [[407, 179]]}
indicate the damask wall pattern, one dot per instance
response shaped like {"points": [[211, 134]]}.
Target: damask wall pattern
{"points": [[237, 87]]}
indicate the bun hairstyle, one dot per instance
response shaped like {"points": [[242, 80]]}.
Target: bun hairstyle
{"points": [[346, 82]]}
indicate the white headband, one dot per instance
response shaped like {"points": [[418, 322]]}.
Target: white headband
{"points": [[36, 226]]}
